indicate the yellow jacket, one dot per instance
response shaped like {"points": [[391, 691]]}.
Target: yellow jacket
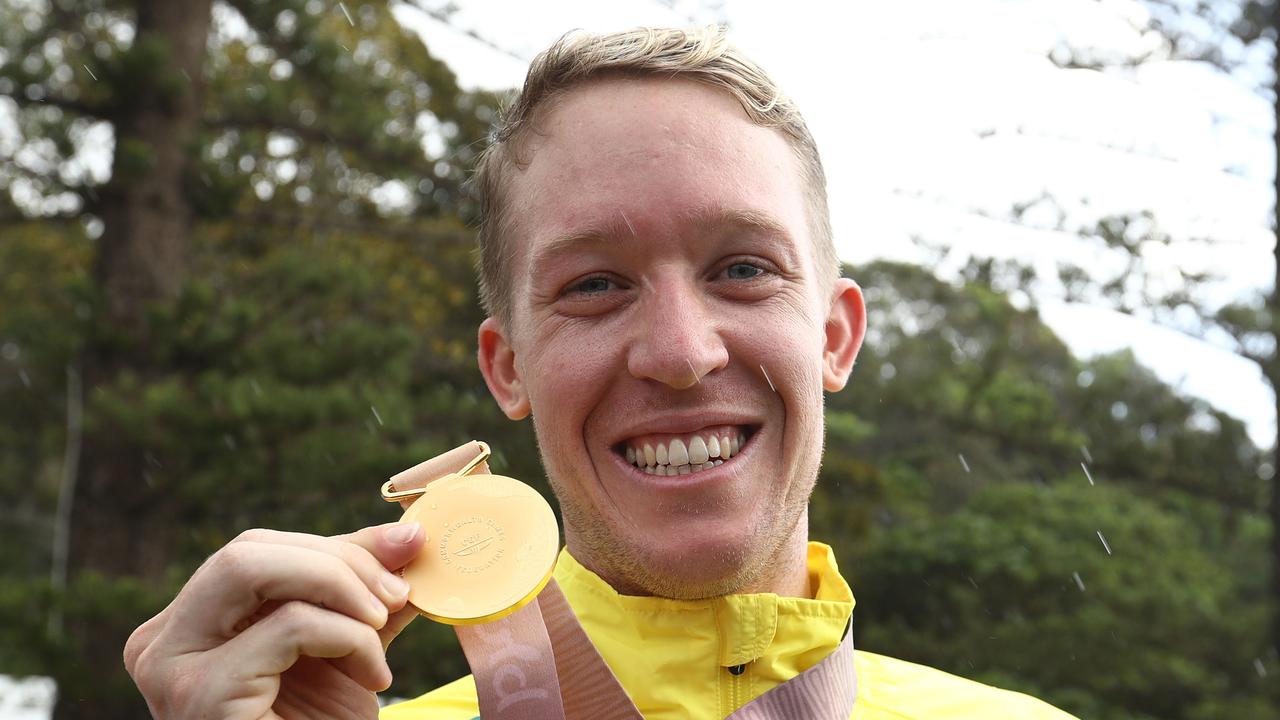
{"points": [[673, 656]]}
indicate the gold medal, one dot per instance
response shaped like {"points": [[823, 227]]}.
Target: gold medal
{"points": [[492, 541]]}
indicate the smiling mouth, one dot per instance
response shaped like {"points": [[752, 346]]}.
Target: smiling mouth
{"points": [[685, 454]]}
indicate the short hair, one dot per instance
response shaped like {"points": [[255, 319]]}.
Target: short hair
{"points": [[703, 55]]}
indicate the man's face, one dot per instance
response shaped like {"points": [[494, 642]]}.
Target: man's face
{"points": [[665, 296]]}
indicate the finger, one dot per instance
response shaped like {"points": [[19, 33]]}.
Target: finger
{"points": [[299, 629], [396, 622], [240, 577], [385, 584], [140, 639]]}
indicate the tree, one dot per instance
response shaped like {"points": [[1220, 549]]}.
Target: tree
{"points": [[1219, 34], [1010, 513], [1229, 36], [238, 128]]}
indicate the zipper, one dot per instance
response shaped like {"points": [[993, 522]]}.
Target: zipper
{"points": [[738, 687]]}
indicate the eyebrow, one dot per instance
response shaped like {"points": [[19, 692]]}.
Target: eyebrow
{"points": [[703, 220]]}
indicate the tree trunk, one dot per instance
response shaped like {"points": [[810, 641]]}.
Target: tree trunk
{"points": [[141, 262], [1272, 368]]}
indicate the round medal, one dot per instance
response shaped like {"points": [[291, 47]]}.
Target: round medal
{"points": [[492, 543]]}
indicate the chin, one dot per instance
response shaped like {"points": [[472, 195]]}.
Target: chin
{"points": [[689, 563]]}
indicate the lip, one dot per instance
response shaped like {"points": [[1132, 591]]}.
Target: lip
{"points": [[686, 424], [701, 480]]}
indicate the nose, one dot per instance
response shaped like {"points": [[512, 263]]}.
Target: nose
{"points": [[676, 340]]}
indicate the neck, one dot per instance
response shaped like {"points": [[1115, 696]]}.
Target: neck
{"points": [[788, 575], [785, 573]]}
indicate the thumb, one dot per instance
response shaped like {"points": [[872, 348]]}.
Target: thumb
{"points": [[393, 544]]}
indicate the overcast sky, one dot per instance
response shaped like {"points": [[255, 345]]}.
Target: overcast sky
{"points": [[935, 116]]}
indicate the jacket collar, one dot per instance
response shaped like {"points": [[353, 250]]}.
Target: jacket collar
{"points": [[686, 645]]}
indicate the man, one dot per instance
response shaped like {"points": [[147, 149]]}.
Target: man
{"points": [[665, 302]]}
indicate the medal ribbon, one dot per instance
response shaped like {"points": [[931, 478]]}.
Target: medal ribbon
{"points": [[539, 664]]}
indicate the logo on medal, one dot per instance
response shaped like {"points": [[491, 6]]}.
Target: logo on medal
{"points": [[472, 544]]}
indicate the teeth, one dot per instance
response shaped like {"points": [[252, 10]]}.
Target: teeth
{"points": [[698, 451], [682, 456], [678, 454]]}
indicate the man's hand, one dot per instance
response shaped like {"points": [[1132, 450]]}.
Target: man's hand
{"points": [[279, 624]]}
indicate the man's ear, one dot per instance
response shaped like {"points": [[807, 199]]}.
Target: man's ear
{"points": [[845, 328], [498, 365]]}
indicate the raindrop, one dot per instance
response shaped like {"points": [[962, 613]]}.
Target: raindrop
{"points": [[26, 379], [1259, 667], [376, 416], [86, 69], [1104, 542], [963, 464], [1079, 583], [766, 379], [1086, 473], [257, 389], [971, 582], [1085, 452], [344, 12]]}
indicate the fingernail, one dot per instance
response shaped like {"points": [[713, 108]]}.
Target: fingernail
{"points": [[402, 532], [394, 585]]}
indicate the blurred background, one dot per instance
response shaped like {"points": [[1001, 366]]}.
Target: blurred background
{"points": [[236, 291]]}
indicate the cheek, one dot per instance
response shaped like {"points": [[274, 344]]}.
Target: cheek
{"points": [[788, 343], [566, 369]]}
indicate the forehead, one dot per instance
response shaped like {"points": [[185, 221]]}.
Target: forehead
{"points": [[662, 155]]}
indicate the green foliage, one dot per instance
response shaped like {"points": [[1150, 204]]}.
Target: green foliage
{"points": [[1153, 628], [953, 488]]}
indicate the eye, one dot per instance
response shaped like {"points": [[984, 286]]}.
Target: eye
{"points": [[590, 286], [742, 271]]}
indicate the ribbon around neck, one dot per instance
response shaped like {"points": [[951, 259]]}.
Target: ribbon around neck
{"points": [[539, 664]]}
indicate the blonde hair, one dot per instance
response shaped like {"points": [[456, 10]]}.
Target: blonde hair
{"points": [[702, 55]]}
